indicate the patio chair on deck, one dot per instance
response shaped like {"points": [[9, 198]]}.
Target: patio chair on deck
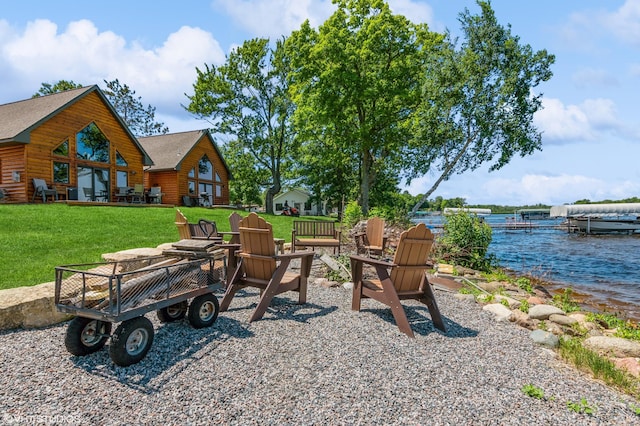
{"points": [[155, 195], [407, 280], [137, 196], [260, 267], [40, 189]]}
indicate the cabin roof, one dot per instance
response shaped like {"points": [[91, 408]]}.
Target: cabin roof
{"points": [[169, 150], [19, 119], [595, 210]]}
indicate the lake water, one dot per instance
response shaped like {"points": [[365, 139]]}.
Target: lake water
{"points": [[602, 268]]}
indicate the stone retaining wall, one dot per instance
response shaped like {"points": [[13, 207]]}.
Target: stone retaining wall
{"points": [[27, 307]]}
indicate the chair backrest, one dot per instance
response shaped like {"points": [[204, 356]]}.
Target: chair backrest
{"points": [[138, 188], [155, 190], [183, 225], [256, 238], [234, 222], [40, 184], [413, 250], [315, 228], [87, 192], [375, 231], [208, 229], [123, 190]]}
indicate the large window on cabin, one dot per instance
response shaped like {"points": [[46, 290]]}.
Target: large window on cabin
{"points": [[61, 168], [203, 180], [60, 172], [92, 144], [122, 178]]}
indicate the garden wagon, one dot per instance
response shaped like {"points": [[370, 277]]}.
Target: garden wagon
{"points": [[100, 294]]}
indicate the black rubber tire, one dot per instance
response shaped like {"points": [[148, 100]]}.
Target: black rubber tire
{"points": [[203, 310], [173, 313], [86, 336], [131, 341]]}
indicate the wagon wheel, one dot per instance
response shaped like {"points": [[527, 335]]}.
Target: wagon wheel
{"points": [[203, 310], [173, 313], [85, 335], [131, 341]]}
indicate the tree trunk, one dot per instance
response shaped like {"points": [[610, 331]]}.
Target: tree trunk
{"points": [[272, 192], [365, 183], [444, 176]]}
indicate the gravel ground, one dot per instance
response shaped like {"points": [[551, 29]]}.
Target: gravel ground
{"points": [[319, 363]]}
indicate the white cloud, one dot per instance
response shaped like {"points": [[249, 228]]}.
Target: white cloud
{"points": [[161, 76], [569, 123], [275, 18], [532, 189], [625, 22], [416, 12], [560, 123]]}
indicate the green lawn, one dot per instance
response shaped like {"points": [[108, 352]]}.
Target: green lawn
{"points": [[35, 238]]}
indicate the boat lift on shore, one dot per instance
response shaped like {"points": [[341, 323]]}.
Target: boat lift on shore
{"points": [[600, 218]]}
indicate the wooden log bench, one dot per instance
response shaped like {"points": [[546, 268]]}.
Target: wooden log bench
{"points": [[308, 233]]}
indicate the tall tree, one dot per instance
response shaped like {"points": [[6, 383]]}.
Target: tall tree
{"points": [[479, 103], [140, 119], [247, 97], [248, 177], [357, 81], [60, 86]]}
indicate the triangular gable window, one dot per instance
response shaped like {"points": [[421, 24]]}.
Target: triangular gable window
{"points": [[62, 149], [92, 144], [218, 179], [120, 161], [205, 168]]}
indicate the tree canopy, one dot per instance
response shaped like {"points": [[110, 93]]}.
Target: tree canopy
{"points": [[356, 82], [60, 86], [479, 103], [247, 98], [140, 119], [390, 97]]}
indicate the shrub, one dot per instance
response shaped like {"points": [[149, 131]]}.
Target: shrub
{"points": [[352, 214], [465, 241]]}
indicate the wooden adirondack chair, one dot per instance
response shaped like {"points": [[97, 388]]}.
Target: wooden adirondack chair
{"points": [[234, 225], [373, 240], [260, 267], [407, 280]]}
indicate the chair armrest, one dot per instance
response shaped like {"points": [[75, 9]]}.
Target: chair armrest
{"points": [[373, 262], [296, 255]]}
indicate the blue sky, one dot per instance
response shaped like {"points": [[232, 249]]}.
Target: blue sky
{"points": [[591, 131]]}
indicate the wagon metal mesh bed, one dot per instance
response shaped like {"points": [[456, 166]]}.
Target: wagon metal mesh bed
{"points": [[118, 291]]}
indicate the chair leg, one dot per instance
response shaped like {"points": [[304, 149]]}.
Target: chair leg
{"points": [[232, 288], [228, 297], [356, 275], [429, 299], [393, 301], [302, 290], [269, 292]]}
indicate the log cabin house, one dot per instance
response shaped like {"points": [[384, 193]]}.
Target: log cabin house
{"points": [[73, 140], [188, 167]]}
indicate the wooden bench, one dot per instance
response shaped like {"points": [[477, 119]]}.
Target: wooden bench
{"points": [[308, 233]]}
